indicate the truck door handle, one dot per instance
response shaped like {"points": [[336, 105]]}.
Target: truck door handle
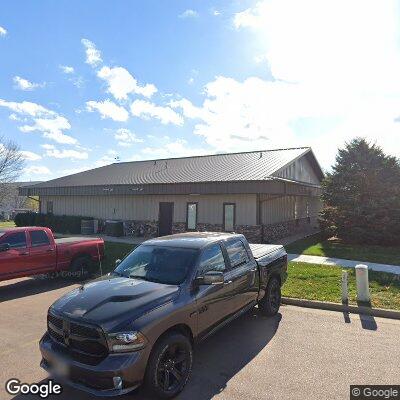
{"points": [[228, 282], [253, 270], [49, 250], [24, 254]]}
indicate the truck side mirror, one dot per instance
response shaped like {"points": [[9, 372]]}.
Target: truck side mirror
{"points": [[4, 247], [117, 262], [211, 278]]}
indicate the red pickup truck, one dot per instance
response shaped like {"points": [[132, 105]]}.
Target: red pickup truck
{"points": [[29, 251]]}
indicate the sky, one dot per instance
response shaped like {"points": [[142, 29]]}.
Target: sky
{"points": [[88, 83]]}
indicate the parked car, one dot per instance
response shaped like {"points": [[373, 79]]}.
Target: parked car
{"points": [[140, 323], [33, 251]]}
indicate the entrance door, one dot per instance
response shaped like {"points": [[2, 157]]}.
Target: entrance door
{"points": [[165, 215]]}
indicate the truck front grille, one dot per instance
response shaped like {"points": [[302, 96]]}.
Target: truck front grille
{"points": [[85, 343]]}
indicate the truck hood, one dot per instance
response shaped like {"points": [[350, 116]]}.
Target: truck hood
{"points": [[114, 301]]}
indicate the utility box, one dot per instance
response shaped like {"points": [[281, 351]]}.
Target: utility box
{"points": [[114, 228]]}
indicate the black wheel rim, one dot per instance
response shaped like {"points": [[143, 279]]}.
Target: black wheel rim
{"points": [[275, 296], [173, 368]]}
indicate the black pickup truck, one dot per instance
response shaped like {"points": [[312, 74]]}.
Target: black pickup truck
{"points": [[139, 323]]}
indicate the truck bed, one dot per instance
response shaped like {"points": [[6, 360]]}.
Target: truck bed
{"points": [[264, 254], [73, 239]]}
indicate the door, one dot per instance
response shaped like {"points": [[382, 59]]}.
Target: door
{"points": [[42, 251], [243, 273], [165, 216], [16, 259], [214, 303]]}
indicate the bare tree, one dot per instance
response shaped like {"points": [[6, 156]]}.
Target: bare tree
{"points": [[11, 164]]}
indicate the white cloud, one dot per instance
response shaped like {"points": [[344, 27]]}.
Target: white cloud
{"points": [[314, 50], [146, 110], [176, 148], [126, 138], [3, 31], [260, 58], [238, 115], [333, 78], [189, 110], [67, 69], [52, 151], [52, 128], [50, 123], [24, 84], [14, 117], [30, 156], [28, 108], [37, 170], [78, 81], [93, 56], [109, 158], [121, 83], [108, 109], [189, 14], [193, 74], [71, 171]]}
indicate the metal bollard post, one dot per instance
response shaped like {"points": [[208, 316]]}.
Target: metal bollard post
{"points": [[362, 283], [345, 290]]}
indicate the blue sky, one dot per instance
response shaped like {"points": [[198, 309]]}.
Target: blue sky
{"points": [[85, 83]]}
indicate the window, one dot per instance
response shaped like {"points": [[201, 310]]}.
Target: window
{"points": [[229, 216], [212, 259], [191, 216], [49, 207], [236, 252], [39, 238], [168, 265], [15, 240]]}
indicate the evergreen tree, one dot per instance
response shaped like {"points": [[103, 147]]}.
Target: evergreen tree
{"points": [[362, 195]]}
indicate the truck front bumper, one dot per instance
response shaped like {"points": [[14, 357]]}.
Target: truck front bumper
{"points": [[115, 375]]}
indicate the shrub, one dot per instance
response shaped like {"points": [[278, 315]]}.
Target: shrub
{"points": [[362, 196], [57, 223]]}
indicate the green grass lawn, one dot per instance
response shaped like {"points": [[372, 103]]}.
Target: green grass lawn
{"points": [[313, 245], [7, 224], [113, 251], [321, 282], [306, 281]]}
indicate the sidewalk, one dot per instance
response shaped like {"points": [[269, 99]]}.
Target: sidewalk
{"points": [[393, 269]]}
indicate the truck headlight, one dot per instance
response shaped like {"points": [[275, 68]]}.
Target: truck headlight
{"points": [[126, 341]]}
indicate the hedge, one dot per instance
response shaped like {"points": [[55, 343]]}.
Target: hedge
{"points": [[57, 223]]}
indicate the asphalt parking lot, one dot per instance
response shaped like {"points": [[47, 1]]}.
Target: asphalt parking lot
{"points": [[300, 354]]}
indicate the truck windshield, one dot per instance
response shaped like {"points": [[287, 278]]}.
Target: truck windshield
{"points": [[168, 265]]}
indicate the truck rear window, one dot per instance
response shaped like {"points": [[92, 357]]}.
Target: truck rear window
{"points": [[39, 238], [168, 265]]}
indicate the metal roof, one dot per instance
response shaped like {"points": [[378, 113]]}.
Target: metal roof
{"points": [[234, 167]]}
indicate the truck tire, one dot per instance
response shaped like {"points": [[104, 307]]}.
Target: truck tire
{"points": [[80, 268], [270, 303], [169, 366]]}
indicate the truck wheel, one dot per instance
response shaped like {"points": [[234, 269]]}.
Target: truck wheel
{"points": [[169, 366], [80, 268], [270, 303]]}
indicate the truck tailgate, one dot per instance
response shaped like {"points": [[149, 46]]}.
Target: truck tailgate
{"points": [[267, 253]]}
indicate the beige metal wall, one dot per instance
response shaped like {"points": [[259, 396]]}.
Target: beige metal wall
{"points": [[276, 209], [299, 170], [145, 207]]}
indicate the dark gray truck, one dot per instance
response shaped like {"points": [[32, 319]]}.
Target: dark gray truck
{"points": [[139, 323]]}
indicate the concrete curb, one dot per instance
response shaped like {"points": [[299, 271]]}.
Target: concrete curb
{"points": [[323, 305]]}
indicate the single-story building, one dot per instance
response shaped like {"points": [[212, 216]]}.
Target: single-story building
{"points": [[263, 194]]}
